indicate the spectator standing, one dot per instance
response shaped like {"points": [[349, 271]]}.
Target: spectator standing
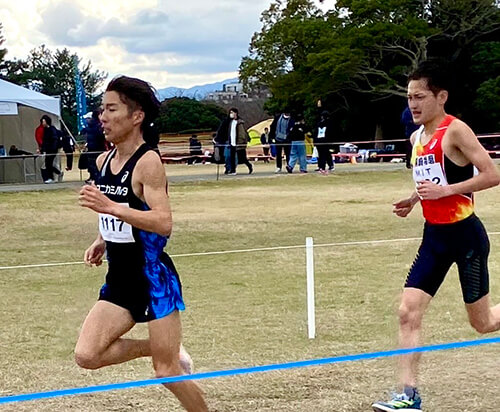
{"points": [[221, 141], [264, 141], [68, 145], [233, 134], [39, 131], [280, 128], [50, 146], [322, 141], [95, 143], [297, 138], [410, 127], [238, 139]]}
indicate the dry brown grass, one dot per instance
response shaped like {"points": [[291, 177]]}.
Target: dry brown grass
{"points": [[246, 309]]}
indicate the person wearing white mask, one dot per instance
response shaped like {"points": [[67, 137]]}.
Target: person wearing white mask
{"points": [[238, 140]]}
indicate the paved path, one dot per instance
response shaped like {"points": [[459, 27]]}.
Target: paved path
{"points": [[209, 173]]}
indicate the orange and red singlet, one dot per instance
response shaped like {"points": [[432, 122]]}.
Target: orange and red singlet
{"points": [[430, 163]]}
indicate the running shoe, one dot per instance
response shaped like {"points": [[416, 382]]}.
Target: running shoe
{"points": [[400, 402], [186, 361]]}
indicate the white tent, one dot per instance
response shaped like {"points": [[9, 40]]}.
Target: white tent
{"points": [[20, 113], [12, 93]]}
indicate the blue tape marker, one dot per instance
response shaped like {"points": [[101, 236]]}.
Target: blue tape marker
{"points": [[242, 371]]}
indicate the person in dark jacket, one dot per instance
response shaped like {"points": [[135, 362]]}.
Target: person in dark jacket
{"points": [[68, 145], [410, 127], [96, 143], [323, 138], [264, 141], [297, 137], [50, 146], [280, 128], [221, 141], [233, 134]]}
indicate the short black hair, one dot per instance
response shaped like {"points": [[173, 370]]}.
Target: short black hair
{"points": [[234, 110], [137, 94], [436, 72], [47, 119]]}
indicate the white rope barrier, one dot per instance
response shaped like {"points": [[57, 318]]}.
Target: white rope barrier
{"points": [[224, 252]]}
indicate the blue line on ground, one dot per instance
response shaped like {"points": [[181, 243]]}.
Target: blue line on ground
{"points": [[242, 371]]}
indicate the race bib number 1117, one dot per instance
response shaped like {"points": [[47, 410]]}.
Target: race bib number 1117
{"points": [[115, 230]]}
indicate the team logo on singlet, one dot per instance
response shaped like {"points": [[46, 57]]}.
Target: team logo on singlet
{"points": [[113, 190], [433, 144], [125, 175], [425, 160]]}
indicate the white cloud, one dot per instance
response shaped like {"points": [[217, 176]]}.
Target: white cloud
{"points": [[168, 42]]}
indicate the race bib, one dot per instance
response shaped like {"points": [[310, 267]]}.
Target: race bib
{"points": [[115, 230], [431, 172]]}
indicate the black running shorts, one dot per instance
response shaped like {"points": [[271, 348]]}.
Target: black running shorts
{"points": [[464, 243]]}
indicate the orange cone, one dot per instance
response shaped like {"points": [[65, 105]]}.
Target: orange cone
{"points": [[353, 160]]}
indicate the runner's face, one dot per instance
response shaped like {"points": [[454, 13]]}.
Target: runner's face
{"points": [[424, 105], [116, 120]]}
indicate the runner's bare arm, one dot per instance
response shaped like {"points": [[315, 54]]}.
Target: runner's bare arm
{"points": [[466, 148], [149, 184], [465, 141]]}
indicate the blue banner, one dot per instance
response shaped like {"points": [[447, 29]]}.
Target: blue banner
{"points": [[81, 100]]}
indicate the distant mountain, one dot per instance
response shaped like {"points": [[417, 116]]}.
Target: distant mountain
{"points": [[195, 92]]}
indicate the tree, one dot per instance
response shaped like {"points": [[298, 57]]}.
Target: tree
{"points": [[182, 114], [52, 73], [356, 56], [486, 106]]}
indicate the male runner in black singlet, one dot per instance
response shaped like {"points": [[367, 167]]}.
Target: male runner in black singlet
{"points": [[445, 153], [135, 221]]}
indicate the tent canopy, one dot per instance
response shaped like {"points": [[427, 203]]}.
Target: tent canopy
{"points": [[259, 127], [12, 93], [256, 130], [20, 113]]}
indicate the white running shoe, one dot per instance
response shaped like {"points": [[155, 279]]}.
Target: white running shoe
{"points": [[48, 181], [278, 170]]}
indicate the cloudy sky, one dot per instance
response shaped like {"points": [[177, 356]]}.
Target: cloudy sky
{"points": [[167, 42]]}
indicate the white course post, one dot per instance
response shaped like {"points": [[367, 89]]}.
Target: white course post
{"points": [[311, 319]]}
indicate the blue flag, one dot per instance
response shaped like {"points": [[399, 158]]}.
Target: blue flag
{"points": [[81, 100]]}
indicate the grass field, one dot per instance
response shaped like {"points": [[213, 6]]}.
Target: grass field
{"points": [[247, 309]]}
